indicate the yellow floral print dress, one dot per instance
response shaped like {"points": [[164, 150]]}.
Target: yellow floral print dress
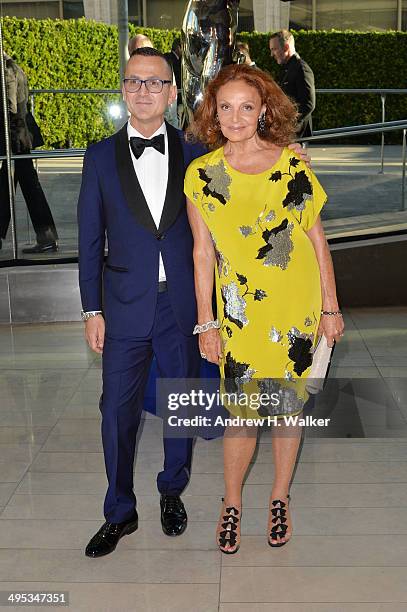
{"points": [[267, 282]]}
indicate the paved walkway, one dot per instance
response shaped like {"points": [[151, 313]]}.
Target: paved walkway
{"points": [[359, 197], [349, 496]]}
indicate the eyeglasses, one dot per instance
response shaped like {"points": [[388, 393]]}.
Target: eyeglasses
{"points": [[152, 85]]}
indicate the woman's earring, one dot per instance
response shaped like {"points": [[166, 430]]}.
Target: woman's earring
{"points": [[261, 123]]}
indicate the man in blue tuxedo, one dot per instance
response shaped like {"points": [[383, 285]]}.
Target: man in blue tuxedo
{"points": [[132, 193]]}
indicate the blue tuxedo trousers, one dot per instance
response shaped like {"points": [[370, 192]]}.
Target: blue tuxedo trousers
{"points": [[126, 364]]}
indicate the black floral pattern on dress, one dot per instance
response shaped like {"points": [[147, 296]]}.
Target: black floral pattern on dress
{"points": [[299, 191], [259, 294], [276, 176], [300, 351], [242, 279], [299, 187], [236, 374]]}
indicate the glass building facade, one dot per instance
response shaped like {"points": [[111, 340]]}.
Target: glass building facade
{"points": [[362, 15], [43, 9]]}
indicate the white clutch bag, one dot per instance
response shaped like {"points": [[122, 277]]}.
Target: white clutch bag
{"points": [[321, 362]]}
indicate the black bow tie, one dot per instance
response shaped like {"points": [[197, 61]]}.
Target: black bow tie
{"points": [[139, 144]]}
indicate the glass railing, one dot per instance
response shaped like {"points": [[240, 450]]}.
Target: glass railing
{"points": [[366, 195], [380, 94]]}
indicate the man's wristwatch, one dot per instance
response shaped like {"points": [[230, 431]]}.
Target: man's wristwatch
{"points": [[85, 316]]}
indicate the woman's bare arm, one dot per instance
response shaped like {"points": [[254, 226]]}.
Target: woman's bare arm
{"points": [[204, 266], [331, 325]]}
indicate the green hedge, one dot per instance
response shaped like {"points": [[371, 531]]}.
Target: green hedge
{"points": [[83, 54], [348, 60], [71, 54]]}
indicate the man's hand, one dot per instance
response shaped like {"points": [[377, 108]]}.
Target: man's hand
{"points": [[95, 333], [302, 153], [20, 137]]}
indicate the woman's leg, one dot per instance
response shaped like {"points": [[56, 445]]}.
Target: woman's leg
{"points": [[238, 447], [286, 440], [37, 204]]}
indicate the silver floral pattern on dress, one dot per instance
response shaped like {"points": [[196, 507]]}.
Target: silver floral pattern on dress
{"points": [[294, 333], [275, 335], [247, 376], [246, 230], [270, 216], [282, 245], [208, 206], [234, 304], [217, 181], [223, 264], [308, 322], [289, 402], [300, 204]]}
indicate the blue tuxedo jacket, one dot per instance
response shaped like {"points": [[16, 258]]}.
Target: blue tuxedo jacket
{"points": [[112, 204]]}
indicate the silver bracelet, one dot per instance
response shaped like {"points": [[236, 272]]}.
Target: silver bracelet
{"points": [[200, 329], [85, 316], [331, 313]]}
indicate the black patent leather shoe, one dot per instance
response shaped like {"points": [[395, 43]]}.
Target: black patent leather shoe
{"points": [[106, 539], [173, 515], [41, 248]]}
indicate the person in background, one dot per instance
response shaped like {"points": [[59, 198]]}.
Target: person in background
{"points": [[174, 58], [297, 78], [137, 42], [24, 171], [243, 49]]}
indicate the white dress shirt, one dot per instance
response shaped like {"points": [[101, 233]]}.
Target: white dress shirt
{"points": [[151, 169]]}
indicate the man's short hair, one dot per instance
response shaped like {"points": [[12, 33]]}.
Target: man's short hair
{"points": [[283, 37], [151, 52]]}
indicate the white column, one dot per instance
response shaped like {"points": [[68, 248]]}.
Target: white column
{"points": [[100, 10], [270, 15]]}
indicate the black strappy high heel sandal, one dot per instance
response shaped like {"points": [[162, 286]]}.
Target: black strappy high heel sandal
{"points": [[279, 520], [230, 520]]}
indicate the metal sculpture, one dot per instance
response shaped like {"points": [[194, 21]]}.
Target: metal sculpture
{"points": [[208, 38]]}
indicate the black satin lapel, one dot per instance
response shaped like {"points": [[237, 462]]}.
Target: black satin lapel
{"points": [[174, 197], [131, 187]]}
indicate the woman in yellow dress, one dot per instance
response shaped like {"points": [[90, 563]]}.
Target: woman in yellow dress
{"points": [[254, 209]]}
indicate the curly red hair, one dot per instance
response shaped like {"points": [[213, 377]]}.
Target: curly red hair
{"points": [[280, 116]]}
